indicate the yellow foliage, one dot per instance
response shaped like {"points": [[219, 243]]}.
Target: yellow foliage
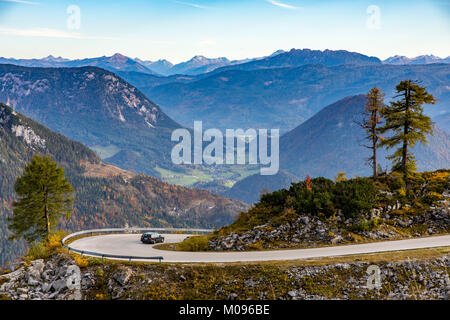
{"points": [[100, 296], [440, 175], [55, 239], [80, 261], [436, 195], [341, 176]]}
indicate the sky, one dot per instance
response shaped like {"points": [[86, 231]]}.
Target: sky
{"points": [[177, 30]]}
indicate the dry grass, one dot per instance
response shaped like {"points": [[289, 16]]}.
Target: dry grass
{"points": [[103, 170]]}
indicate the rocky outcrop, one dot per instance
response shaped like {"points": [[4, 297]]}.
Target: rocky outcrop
{"points": [[410, 279], [310, 231], [61, 279], [56, 279]]}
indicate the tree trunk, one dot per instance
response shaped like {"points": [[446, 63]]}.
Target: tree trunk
{"points": [[375, 165], [374, 144], [47, 218], [405, 140]]}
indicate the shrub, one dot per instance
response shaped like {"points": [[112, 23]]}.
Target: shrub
{"points": [[354, 197], [44, 249], [341, 176], [432, 197], [315, 201], [375, 222], [99, 272], [197, 243], [55, 239], [38, 250], [80, 261], [274, 199], [363, 225]]}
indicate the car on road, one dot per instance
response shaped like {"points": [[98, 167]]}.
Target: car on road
{"points": [[152, 237]]}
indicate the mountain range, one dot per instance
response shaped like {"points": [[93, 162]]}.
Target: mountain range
{"points": [[117, 62], [110, 112], [284, 97], [106, 196], [201, 64], [425, 59], [195, 66], [95, 107]]}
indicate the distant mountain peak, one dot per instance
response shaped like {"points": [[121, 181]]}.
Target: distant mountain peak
{"points": [[51, 58], [119, 57], [199, 58], [277, 53], [422, 59]]}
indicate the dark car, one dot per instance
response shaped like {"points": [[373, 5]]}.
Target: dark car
{"points": [[151, 237]]}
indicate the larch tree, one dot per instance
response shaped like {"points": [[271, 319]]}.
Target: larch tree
{"points": [[372, 116], [405, 119], [44, 195]]}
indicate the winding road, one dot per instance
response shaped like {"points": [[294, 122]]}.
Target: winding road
{"points": [[130, 244]]}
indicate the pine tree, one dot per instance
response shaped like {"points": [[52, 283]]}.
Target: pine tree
{"points": [[44, 195], [409, 125], [371, 118]]}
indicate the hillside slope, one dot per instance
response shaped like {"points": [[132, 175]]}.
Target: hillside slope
{"points": [[95, 107], [323, 212], [299, 57], [251, 188], [331, 141], [285, 97], [106, 196]]}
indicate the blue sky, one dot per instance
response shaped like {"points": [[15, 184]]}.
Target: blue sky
{"points": [[178, 29]]}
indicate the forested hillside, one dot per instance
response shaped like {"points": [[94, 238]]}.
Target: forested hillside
{"points": [[285, 97], [106, 196], [95, 107]]}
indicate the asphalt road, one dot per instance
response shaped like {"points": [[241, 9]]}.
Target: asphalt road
{"points": [[130, 244]]}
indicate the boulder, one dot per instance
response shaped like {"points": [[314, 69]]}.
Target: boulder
{"points": [[123, 275]]}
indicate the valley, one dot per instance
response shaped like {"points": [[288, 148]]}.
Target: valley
{"points": [[106, 195]]}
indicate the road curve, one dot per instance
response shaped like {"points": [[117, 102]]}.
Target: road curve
{"points": [[129, 244]]}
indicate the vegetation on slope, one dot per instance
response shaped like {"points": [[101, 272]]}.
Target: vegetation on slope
{"points": [[414, 274], [106, 196], [358, 209]]}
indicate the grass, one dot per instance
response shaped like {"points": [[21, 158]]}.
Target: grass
{"points": [[45, 250], [184, 179], [106, 152], [217, 281], [193, 243], [230, 173]]}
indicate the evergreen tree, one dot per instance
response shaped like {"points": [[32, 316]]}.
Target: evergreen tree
{"points": [[409, 125], [44, 195], [371, 118]]}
